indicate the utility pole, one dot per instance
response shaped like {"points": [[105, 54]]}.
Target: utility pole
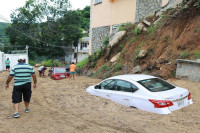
{"points": [[27, 52]]}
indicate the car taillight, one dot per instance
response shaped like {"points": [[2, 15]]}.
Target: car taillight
{"points": [[56, 76], [161, 103], [189, 96]]}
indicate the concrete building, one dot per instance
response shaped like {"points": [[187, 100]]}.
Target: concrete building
{"points": [[83, 50], [107, 15]]}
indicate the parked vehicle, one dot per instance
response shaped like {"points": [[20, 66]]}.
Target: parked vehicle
{"points": [[58, 73], [143, 92]]}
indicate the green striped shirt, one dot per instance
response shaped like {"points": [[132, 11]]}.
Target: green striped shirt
{"points": [[22, 73]]}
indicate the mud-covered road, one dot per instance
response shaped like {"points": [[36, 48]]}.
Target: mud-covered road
{"points": [[63, 106]]}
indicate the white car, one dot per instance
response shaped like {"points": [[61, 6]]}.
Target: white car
{"points": [[143, 92]]}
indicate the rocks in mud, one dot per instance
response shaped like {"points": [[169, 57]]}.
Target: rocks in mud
{"points": [[140, 26], [142, 53], [146, 22], [116, 38], [114, 59], [136, 69]]}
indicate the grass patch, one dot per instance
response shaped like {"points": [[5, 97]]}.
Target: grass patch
{"points": [[197, 54], [152, 30], [82, 63], [117, 67], [136, 31], [184, 55], [106, 41]]}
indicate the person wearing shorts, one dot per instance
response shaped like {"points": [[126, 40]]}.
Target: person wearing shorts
{"points": [[7, 62], [22, 74], [72, 70]]}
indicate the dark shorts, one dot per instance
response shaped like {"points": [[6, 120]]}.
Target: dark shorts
{"points": [[7, 67], [22, 90], [72, 72], [40, 72]]}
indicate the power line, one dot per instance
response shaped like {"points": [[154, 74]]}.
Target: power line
{"points": [[31, 37]]}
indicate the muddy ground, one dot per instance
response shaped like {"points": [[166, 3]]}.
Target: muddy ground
{"points": [[64, 107]]}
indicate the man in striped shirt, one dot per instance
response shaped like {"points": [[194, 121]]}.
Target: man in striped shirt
{"points": [[22, 74]]}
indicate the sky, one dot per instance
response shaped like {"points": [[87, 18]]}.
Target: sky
{"points": [[7, 6]]}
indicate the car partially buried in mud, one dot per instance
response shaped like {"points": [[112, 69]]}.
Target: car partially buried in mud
{"points": [[58, 73], [143, 92]]}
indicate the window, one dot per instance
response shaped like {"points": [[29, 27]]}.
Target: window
{"points": [[156, 85], [123, 86], [97, 1], [107, 85]]}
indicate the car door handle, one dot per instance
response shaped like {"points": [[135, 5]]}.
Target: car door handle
{"points": [[108, 95], [126, 99]]}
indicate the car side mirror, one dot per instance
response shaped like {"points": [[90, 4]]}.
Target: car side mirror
{"points": [[51, 71], [97, 87]]}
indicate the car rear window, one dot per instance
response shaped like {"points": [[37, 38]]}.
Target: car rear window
{"points": [[156, 85], [60, 70]]}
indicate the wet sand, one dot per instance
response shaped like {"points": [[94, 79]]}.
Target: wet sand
{"points": [[64, 106]]}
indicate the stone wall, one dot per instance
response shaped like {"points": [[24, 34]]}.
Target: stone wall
{"points": [[187, 69], [146, 8], [98, 36]]}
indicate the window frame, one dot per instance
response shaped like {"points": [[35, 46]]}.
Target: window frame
{"points": [[131, 85], [96, 2]]}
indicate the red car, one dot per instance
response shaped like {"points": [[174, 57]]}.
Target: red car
{"points": [[58, 73]]}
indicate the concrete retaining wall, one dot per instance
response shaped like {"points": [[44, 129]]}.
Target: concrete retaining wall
{"points": [[187, 69]]}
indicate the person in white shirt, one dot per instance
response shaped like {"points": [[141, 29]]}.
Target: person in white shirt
{"points": [[41, 70]]}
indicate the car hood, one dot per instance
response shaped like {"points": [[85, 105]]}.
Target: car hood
{"points": [[173, 94]]}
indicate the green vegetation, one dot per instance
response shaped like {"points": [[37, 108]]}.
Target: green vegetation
{"points": [[125, 26], [197, 54], [184, 55], [82, 63], [32, 62], [165, 38], [197, 4], [136, 31], [63, 28], [56, 63], [174, 73], [132, 40], [117, 67], [152, 30], [106, 41]]}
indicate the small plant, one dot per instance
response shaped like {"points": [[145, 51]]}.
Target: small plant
{"points": [[197, 54], [104, 68], [136, 31], [174, 73], [122, 27], [184, 55], [132, 40], [184, 7], [32, 63], [152, 30], [106, 41], [166, 38], [195, 30], [197, 4], [137, 52], [117, 67]]}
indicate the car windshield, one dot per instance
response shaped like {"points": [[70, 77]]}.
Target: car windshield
{"points": [[156, 85], [60, 70]]}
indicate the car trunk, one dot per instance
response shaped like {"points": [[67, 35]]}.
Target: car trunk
{"points": [[178, 96]]}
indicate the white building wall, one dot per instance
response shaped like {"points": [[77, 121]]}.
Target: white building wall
{"points": [[14, 59], [2, 60]]}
